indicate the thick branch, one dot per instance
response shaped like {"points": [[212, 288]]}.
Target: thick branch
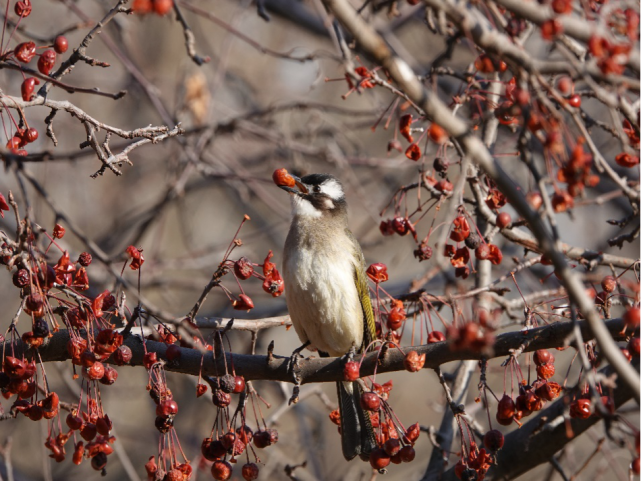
{"points": [[275, 368]]}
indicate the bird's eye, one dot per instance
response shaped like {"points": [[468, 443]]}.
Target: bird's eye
{"points": [[317, 188]]}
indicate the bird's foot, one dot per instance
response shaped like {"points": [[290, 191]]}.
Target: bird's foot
{"points": [[293, 365]]}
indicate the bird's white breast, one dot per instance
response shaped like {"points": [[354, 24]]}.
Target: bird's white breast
{"points": [[321, 293]]}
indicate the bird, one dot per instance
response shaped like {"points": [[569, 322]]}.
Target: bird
{"points": [[327, 293]]}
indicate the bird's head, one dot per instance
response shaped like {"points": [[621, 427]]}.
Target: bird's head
{"points": [[316, 196]]}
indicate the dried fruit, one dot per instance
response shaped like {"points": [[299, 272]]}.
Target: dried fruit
{"points": [[503, 220], [493, 440], [25, 51], [580, 408], [377, 272], [282, 178], [379, 459], [351, 371], [46, 61], [413, 152], [413, 362], [370, 401]]}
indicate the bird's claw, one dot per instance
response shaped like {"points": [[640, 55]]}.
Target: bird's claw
{"points": [[293, 366]]}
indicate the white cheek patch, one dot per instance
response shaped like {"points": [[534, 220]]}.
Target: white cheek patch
{"points": [[329, 205], [333, 189], [303, 208]]}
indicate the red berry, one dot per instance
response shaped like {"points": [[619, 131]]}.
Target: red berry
{"points": [[413, 362], [635, 466], [413, 152], [58, 231], [370, 401], [95, 372], [626, 160], [109, 377], [74, 422], [60, 44], [503, 220], [631, 317], [565, 85], [221, 470], [543, 356], [392, 446], [407, 454], [379, 459], [243, 268], [25, 51], [23, 8], [88, 431], [250, 472], [482, 252], [162, 7], [437, 133], [545, 371], [580, 409], [493, 440], [351, 371], [167, 408], [412, 434], [239, 384], [634, 346], [506, 408], [435, 336], [46, 61], [27, 88], [575, 101], [377, 272], [609, 284], [31, 135]]}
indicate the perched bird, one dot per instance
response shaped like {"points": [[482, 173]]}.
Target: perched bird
{"points": [[327, 293]]}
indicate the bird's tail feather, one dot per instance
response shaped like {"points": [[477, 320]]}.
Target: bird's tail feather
{"points": [[357, 434]]}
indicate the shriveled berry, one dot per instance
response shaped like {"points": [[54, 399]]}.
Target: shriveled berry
{"points": [[435, 336], [609, 284], [283, 179], [634, 346], [227, 383], [351, 371], [482, 252], [370, 401], [46, 61], [440, 164], [473, 241], [109, 377], [243, 268], [84, 259], [581, 409], [413, 362], [220, 398], [164, 424], [545, 371], [21, 278], [25, 51], [122, 355]]}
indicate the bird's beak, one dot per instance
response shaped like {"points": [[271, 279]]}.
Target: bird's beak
{"points": [[302, 188]]}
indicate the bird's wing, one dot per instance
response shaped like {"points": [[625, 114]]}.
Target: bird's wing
{"points": [[369, 324]]}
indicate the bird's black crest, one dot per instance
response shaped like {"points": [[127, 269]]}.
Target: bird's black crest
{"points": [[317, 179]]}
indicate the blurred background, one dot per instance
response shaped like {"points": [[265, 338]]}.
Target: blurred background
{"points": [[253, 108]]}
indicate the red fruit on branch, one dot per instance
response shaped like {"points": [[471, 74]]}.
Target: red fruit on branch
{"points": [[221, 470], [543, 356], [545, 371], [413, 362], [506, 408], [351, 371], [460, 230], [407, 454], [60, 44], [377, 272], [167, 408], [404, 127], [437, 134], [379, 459], [370, 401], [23, 8], [243, 303], [413, 152], [27, 87], [250, 472], [493, 440], [25, 51], [631, 317], [609, 284], [243, 268], [503, 220], [46, 61], [581, 409], [435, 336], [626, 160]]}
